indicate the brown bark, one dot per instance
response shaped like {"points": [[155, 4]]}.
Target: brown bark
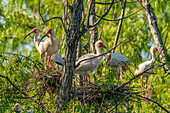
{"points": [[152, 19], [72, 40], [65, 2], [79, 53], [94, 32]]}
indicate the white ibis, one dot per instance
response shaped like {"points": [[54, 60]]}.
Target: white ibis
{"points": [[117, 60], [88, 66], [55, 57], [145, 65], [18, 108]]}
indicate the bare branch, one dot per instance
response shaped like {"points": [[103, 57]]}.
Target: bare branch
{"points": [[125, 16], [90, 26], [120, 25], [38, 102], [40, 11], [61, 21], [44, 21], [154, 102], [118, 103]]}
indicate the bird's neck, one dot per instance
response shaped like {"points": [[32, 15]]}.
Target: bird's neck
{"points": [[98, 50], [36, 36], [153, 58], [51, 37]]}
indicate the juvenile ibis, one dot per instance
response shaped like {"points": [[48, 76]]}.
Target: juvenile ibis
{"points": [[117, 60], [145, 65], [55, 57], [88, 66], [18, 108]]}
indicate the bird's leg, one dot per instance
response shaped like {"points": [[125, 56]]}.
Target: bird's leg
{"points": [[85, 79], [118, 77], [46, 61], [49, 62], [146, 86], [142, 86]]}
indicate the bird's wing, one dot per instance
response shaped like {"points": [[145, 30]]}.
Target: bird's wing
{"points": [[87, 64], [119, 58], [57, 58], [142, 67], [46, 44], [90, 55]]}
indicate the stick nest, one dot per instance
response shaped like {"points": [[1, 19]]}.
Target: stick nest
{"points": [[48, 81], [95, 92]]}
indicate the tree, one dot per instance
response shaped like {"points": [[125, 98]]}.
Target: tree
{"points": [[126, 33]]}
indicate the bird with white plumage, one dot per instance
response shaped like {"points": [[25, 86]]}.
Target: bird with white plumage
{"points": [[144, 66], [49, 47], [55, 57], [88, 66], [117, 60], [18, 108]]}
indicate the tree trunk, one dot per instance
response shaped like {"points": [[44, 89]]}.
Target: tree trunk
{"points": [[155, 32], [72, 40], [94, 32], [79, 53]]}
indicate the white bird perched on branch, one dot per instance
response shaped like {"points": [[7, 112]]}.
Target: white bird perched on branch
{"points": [[18, 108], [145, 65], [117, 60], [88, 66]]}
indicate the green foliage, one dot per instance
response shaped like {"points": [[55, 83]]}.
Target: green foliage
{"points": [[18, 17]]}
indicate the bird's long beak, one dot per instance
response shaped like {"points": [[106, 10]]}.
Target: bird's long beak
{"points": [[106, 47], [105, 65], [26, 36], [42, 38], [106, 61]]}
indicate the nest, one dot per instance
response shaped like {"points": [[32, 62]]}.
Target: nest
{"points": [[48, 81], [98, 93]]}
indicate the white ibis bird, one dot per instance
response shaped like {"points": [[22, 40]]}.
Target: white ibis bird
{"points": [[88, 66], [18, 108], [55, 57], [117, 60], [145, 65], [50, 46]]}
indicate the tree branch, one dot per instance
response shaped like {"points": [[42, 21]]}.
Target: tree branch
{"points": [[44, 21], [40, 11], [120, 25], [38, 102], [118, 103], [126, 16], [90, 26], [154, 102], [113, 47]]}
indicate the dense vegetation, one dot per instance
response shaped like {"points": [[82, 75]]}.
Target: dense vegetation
{"points": [[20, 61]]}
